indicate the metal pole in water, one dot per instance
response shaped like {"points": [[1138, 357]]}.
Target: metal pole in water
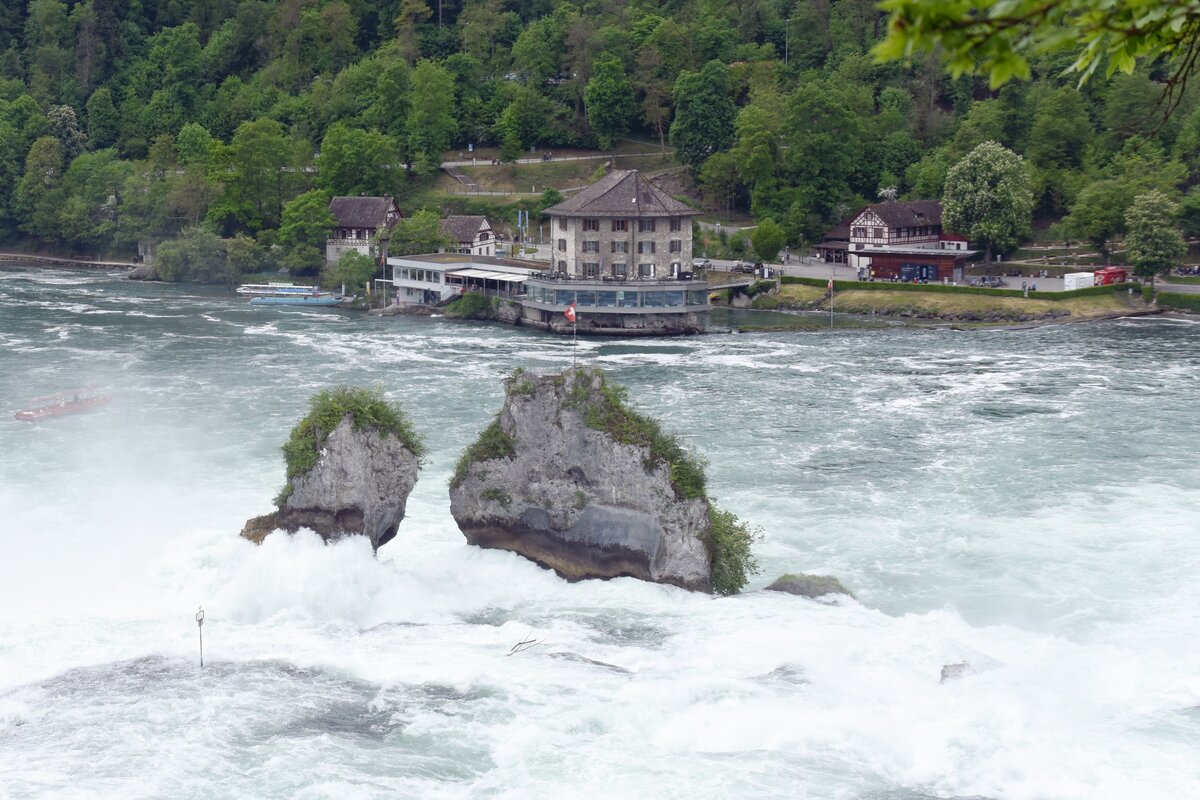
{"points": [[200, 628]]}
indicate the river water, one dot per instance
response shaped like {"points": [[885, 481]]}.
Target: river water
{"points": [[1027, 501]]}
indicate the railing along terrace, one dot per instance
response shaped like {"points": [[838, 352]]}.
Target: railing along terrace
{"points": [[565, 277]]}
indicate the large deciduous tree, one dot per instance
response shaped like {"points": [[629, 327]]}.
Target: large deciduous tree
{"points": [[988, 198], [1153, 242], [704, 115], [306, 225], [768, 239], [431, 123], [609, 101], [354, 161]]}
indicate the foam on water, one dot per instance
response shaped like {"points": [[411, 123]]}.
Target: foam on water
{"points": [[1023, 501]]}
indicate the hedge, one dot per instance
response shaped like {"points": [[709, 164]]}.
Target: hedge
{"points": [[885, 286], [1185, 302]]}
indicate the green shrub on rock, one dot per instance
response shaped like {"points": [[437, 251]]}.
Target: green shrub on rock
{"points": [[729, 544], [472, 305]]}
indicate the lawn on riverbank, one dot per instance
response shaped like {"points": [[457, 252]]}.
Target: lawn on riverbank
{"points": [[947, 306]]}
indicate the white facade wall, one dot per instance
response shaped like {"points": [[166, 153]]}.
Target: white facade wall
{"points": [[571, 236]]}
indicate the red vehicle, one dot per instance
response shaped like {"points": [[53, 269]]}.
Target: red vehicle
{"points": [[58, 405], [1110, 275]]}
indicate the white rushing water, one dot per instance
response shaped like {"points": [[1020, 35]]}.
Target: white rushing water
{"points": [[1026, 501]]}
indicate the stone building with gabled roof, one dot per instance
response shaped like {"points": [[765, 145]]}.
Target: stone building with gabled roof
{"points": [[621, 227], [357, 221], [471, 235]]}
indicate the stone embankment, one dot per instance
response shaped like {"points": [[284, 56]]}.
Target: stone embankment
{"points": [[570, 478], [355, 481]]}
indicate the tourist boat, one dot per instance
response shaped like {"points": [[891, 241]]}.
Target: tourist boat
{"points": [[288, 294], [63, 403]]}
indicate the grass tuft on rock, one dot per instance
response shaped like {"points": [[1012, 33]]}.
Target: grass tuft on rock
{"points": [[607, 411], [368, 409], [492, 443]]}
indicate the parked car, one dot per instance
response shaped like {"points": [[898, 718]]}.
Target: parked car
{"points": [[703, 263], [744, 266]]}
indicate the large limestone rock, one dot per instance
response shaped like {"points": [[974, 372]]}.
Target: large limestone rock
{"points": [[360, 485], [546, 484]]}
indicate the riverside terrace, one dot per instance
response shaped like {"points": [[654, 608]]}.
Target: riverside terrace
{"points": [[614, 306]]}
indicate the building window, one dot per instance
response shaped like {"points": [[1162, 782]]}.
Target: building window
{"points": [[645, 247], [591, 247], [878, 233], [483, 237], [562, 223], [676, 225], [591, 269], [619, 225], [646, 270], [645, 226], [562, 266], [562, 244], [859, 233], [620, 247], [589, 224], [620, 270], [676, 246]]}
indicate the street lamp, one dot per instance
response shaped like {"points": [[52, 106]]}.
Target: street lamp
{"points": [[787, 29]]}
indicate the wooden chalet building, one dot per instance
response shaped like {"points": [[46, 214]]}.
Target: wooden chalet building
{"points": [[469, 235], [900, 240], [357, 222]]}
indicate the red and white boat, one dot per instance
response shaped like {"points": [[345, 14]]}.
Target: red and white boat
{"points": [[63, 403]]}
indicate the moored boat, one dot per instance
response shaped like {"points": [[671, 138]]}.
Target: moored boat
{"points": [[288, 294], [63, 403]]}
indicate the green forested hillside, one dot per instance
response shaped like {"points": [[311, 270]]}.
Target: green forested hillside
{"points": [[123, 120]]}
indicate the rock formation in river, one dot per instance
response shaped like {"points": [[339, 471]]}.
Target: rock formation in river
{"points": [[811, 586], [569, 477], [351, 464]]}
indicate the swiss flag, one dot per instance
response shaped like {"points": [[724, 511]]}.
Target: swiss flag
{"points": [[570, 313]]}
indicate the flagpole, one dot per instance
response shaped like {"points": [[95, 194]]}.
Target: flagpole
{"points": [[575, 334]]}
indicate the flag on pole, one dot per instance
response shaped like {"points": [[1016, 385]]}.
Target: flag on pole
{"points": [[570, 313]]}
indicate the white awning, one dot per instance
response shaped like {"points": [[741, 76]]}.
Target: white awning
{"points": [[481, 274]]}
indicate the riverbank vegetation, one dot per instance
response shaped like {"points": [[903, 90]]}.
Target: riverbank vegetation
{"points": [[133, 123]]}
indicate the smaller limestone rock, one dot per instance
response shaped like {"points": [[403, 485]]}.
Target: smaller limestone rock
{"points": [[145, 272], [812, 586], [952, 672], [366, 463]]}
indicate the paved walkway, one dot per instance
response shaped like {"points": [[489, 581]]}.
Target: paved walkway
{"points": [[487, 162]]}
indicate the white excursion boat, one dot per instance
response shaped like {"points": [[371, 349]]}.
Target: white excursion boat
{"points": [[288, 294]]}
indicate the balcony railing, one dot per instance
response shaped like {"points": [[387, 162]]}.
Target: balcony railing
{"points": [[567, 278]]}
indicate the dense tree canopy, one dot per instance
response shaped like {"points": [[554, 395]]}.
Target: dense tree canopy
{"points": [[122, 122]]}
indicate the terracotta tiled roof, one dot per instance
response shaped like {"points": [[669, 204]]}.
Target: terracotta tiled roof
{"points": [[621, 193], [360, 212], [461, 228]]}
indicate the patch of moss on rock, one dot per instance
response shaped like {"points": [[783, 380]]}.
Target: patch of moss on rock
{"points": [[609, 413], [368, 410], [492, 443]]}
